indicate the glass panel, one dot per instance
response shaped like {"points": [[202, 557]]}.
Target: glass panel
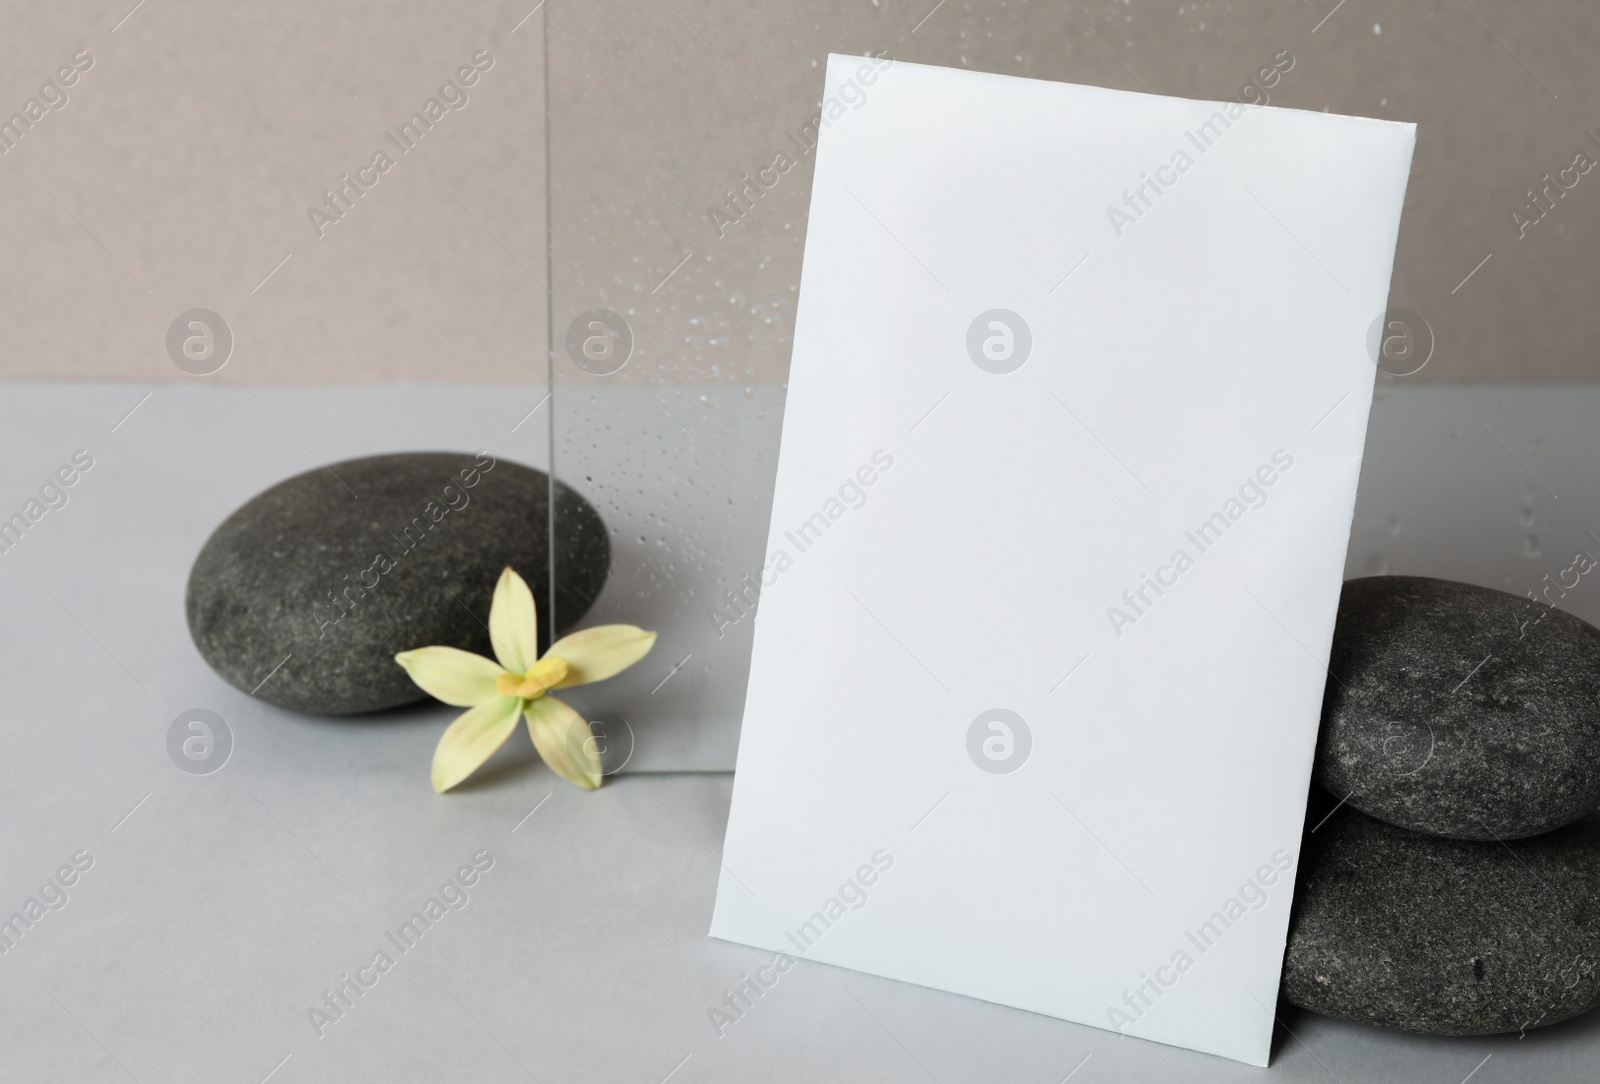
{"points": [[681, 142]]}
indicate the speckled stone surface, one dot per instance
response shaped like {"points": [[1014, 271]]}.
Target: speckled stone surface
{"points": [[1445, 936], [1461, 711], [333, 571]]}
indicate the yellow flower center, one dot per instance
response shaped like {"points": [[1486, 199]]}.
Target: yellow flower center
{"points": [[545, 675]]}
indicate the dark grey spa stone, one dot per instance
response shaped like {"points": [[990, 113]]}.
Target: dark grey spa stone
{"points": [[1445, 936], [332, 572], [1461, 711]]}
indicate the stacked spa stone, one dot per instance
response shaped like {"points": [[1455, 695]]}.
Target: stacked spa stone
{"points": [[1450, 880]]}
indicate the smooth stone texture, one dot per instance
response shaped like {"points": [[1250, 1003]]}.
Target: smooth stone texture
{"points": [[1460, 711], [1445, 936], [412, 562]]}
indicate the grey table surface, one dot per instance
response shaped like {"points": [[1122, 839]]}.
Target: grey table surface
{"points": [[218, 909]]}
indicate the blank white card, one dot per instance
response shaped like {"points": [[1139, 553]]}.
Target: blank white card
{"points": [[1076, 411]]}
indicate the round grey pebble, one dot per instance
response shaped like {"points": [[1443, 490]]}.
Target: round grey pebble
{"points": [[303, 596], [1443, 936], [1460, 711]]}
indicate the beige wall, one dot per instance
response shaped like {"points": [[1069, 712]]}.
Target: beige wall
{"points": [[184, 162], [179, 173]]}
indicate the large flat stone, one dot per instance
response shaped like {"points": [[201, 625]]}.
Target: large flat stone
{"points": [[304, 594], [1445, 936]]}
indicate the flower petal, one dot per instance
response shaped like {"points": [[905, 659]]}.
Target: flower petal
{"points": [[514, 623], [564, 741], [452, 675], [598, 653], [472, 739]]}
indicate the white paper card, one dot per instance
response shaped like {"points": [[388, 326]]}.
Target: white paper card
{"points": [[1078, 397]]}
